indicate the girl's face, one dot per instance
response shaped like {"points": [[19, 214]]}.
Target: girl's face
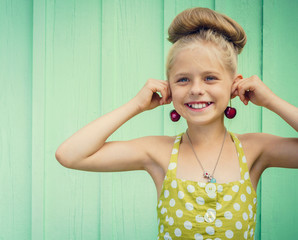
{"points": [[200, 85]]}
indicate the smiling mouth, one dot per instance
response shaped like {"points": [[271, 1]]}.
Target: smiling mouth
{"points": [[198, 105]]}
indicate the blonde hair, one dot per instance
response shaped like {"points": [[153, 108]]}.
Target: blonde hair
{"points": [[203, 25]]}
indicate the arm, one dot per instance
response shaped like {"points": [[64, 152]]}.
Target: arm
{"points": [[285, 110], [88, 150], [268, 150], [254, 90], [273, 151]]}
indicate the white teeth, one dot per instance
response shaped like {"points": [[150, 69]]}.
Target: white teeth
{"points": [[197, 105]]}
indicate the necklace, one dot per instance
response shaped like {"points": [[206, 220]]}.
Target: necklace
{"points": [[205, 173]]}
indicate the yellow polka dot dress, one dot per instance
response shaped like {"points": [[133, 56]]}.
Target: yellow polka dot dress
{"points": [[196, 210]]}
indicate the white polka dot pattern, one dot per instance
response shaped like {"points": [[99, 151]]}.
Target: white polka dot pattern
{"points": [[236, 206], [189, 206], [218, 223], [248, 189], [198, 236], [243, 197], [179, 213], [246, 175], [171, 221], [166, 193], [199, 219], [210, 230], [174, 184], [180, 194], [227, 198], [238, 225], [178, 232], [200, 200], [199, 210], [228, 215], [188, 225], [172, 202], [190, 188], [235, 188], [172, 166], [245, 216], [219, 188], [229, 234], [175, 151]]}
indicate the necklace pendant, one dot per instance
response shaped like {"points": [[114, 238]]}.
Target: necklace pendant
{"points": [[206, 175], [213, 180]]}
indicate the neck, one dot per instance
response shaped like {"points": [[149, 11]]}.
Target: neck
{"points": [[201, 135]]}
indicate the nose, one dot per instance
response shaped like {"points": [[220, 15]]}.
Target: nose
{"points": [[197, 88]]}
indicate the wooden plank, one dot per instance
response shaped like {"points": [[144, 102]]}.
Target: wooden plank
{"points": [[38, 114], [72, 100], [131, 53], [15, 121], [280, 193]]}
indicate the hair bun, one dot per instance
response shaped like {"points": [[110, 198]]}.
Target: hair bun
{"points": [[193, 20]]}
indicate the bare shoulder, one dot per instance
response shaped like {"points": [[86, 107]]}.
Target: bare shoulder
{"points": [[158, 149], [269, 150], [253, 144]]}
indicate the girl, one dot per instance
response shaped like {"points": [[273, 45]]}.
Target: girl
{"points": [[206, 178]]}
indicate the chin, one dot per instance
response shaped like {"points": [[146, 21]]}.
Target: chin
{"points": [[204, 121]]}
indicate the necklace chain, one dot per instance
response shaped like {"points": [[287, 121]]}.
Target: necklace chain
{"points": [[206, 174]]}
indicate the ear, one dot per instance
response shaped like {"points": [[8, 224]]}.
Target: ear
{"points": [[237, 78]]}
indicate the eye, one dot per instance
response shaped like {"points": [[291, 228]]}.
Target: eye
{"points": [[210, 78], [182, 80]]}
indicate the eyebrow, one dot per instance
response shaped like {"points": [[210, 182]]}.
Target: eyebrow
{"points": [[203, 73]]}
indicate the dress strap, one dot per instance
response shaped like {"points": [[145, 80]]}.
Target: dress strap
{"points": [[241, 157], [172, 168]]}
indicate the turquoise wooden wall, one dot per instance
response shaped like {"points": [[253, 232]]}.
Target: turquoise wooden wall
{"points": [[65, 63]]}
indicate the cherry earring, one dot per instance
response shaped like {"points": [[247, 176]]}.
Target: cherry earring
{"points": [[230, 112], [174, 116]]}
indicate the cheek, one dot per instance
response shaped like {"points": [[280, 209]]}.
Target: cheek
{"points": [[177, 98], [178, 94]]}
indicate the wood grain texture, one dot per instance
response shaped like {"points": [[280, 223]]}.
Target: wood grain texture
{"points": [[279, 186], [132, 38], [38, 118], [65, 63], [71, 100], [15, 120]]}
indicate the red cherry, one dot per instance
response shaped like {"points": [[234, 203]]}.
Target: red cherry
{"points": [[174, 116], [230, 112]]}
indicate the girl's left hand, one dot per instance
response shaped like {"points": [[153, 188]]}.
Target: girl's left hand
{"points": [[252, 89]]}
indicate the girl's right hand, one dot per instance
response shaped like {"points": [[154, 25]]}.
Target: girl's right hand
{"points": [[148, 97]]}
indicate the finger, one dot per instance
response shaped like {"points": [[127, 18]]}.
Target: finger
{"points": [[234, 94], [234, 86], [156, 86], [243, 87], [164, 94], [155, 100], [162, 88]]}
